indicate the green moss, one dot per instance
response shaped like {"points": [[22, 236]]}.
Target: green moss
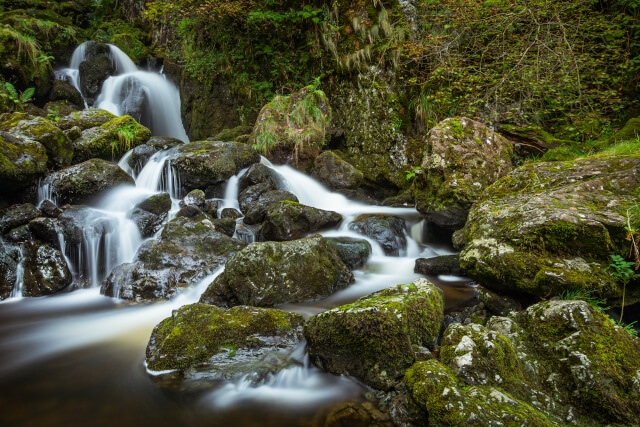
{"points": [[111, 140]]}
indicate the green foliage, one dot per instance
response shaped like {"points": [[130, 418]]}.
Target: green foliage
{"points": [[623, 272], [8, 93], [411, 173], [586, 295], [126, 135]]}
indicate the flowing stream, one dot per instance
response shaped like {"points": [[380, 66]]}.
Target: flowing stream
{"points": [[77, 358]]}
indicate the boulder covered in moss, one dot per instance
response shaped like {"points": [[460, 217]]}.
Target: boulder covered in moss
{"points": [[556, 363], [200, 339], [111, 140], [22, 163], [462, 158], [353, 252], [85, 119], [550, 227], [335, 173], [272, 273], [255, 211], [378, 337], [150, 213], [63, 91], [630, 131], [45, 269], [188, 250], [287, 220], [293, 127], [39, 129], [203, 163], [388, 230], [87, 181]]}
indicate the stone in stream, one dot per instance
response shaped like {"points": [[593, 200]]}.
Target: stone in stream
{"points": [[378, 337], [552, 226], [17, 216], [45, 269], [151, 213], [287, 220], [256, 210], [142, 153], [22, 163], [8, 270], [87, 181], [94, 70], [202, 340], [271, 273], [194, 198], [557, 362], [189, 249], [259, 174], [388, 230], [445, 264], [335, 173], [353, 252]]}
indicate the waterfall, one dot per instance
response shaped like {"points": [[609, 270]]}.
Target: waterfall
{"points": [[18, 286]]}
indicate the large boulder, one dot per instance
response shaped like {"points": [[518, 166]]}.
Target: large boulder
{"points": [[39, 129], [335, 173], [289, 220], [549, 227], [203, 163], [201, 339], [293, 127], [189, 249], [111, 140], [22, 163], [445, 264], [260, 174], [379, 336], [462, 158], [93, 72], [85, 119], [63, 91], [388, 230], [272, 273], [45, 269], [255, 211], [142, 153], [558, 362], [84, 182]]}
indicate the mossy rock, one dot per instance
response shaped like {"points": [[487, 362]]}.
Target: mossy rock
{"points": [[232, 134], [630, 131], [130, 45], [142, 153], [85, 119], [87, 181], [335, 173], [8, 271], [39, 129], [22, 163], [150, 213], [63, 91], [287, 220], [111, 140], [549, 227], [203, 163], [388, 230], [379, 336], [272, 273], [45, 270], [353, 252], [256, 210], [222, 341], [462, 158]]}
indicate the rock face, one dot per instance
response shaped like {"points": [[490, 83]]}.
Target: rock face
{"points": [[86, 181], [189, 249], [271, 273], [549, 227], [22, 163], [462, 158], [203, 163], [335, 173], [289, 220], [388, 230], [379, 336], [224, 343], [111, 140], [293, 127], [39, 129], [17, 216], [557, 362]]}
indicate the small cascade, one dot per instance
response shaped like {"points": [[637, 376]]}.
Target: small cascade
{"points": [[121, 61], [124, 163], [159, 175], [18, 286], [231, 193], [45, 192]]}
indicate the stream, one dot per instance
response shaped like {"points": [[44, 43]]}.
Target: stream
{"points": [[77, 358]]}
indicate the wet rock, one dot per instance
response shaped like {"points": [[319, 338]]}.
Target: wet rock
{"points": [[549, 227], [158, 204], [142, 153], [189, 249], [85, 119], [45, 270], [203, 163], [226, 225], [446, 264], [347, 414], [211, 207], [111, 140], [8, 269], [24, 127], [50, 209], [376, 338], [17, 216], [194, 198], [19, 234], [271, 273], [230, 213], [232, 134], [498, 304], [189, 212], [93, 72], [335, 173], [388, 230], [251, 194], [73, 134], [63, 91], [45, 229], [463, 158], [87, 181], [256, 210], [150, 213], [259, 174], [291, 220], [54, 110], [553, 363], [22, 163], [224, 344], [353, 252]]}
